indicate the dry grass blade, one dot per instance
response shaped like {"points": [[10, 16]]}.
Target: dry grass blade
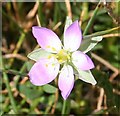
{"points": [[100, 99], [104, 62], [55, 103], [108, 65], [67, 2], [18, 56], [57, 26], [111, 35], [33, 11], [81, 17]]}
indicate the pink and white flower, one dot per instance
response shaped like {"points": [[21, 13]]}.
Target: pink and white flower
{"points": [[46, 69]]}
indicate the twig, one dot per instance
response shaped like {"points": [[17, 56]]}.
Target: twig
{"points": [[81, 17], [23, 80], [100, 33], [113, 76], [100, 99], [107, 64], [115, 82], [4, 47], [16, 10], [27, 25], [55, 103], [105, 102], [111, 35], [116, 91], [84, 13], [24, 97], [37, 111], [67, 2], [33, 11], [38, 21], [18, 56], [56, 26], [5, 91], [4, 50]]}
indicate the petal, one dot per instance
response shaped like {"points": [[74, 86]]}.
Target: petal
{"points": [[87, 76], [66, 81], [72, 37], [82, 61], [44, 71], [47, 39]]}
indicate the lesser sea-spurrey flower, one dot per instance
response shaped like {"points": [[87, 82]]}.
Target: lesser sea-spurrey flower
{"points": [[47, 67]]}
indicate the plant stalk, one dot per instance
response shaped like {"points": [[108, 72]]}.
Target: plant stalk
{"points": [[21, 39], [101, 33], [91, 19], [64, 107], [12, 100]]}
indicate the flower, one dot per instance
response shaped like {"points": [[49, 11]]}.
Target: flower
{"points": [[46, 69]]}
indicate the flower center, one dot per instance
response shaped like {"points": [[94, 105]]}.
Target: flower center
{"points": [[63, 56]]}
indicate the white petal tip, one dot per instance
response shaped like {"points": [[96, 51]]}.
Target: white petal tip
{"points": [[64, 96], [94, 83]]}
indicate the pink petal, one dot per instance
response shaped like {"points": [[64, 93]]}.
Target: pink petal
{"points": [[66, 81], [44, 71], [82, 61], [72, 37], [47, 39]]}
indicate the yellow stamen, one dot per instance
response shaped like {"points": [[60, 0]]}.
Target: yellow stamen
{"points": [[52, 48], [53, 64], [63, 56], [46, 65]]}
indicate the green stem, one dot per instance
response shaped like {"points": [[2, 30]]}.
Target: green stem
{"points": [[91, 20], [20, 73], [101, 33], [12, 100], [85, 10], [21, 39], [40, 14], [64, 106], [15, 72], [55, 13]]}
